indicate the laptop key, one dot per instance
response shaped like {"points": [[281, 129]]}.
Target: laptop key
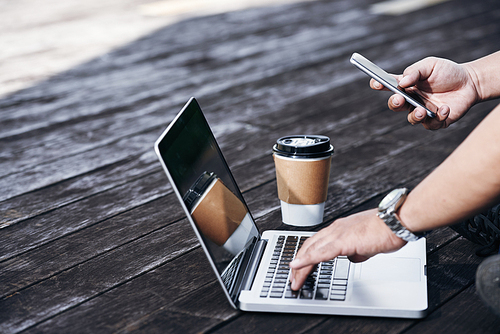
{"points": [[276, 294], [306, 294], [289, 293], [322, 293], [342, 269], [339, 287], [337, 297], [339, 282]]}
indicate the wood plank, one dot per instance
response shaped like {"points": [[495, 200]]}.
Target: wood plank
{"points": [[55, 224], [52, 224], [146, 120], [78, 188], [99, 257], [262, 201], [331, 9], [38, 38], [152, 292], [259, 197], [52, 258], [152, 192], [174, 52], [95, 276], [133, 165], [464, 313], [40, 291], [72, 190], [273, 187], [162, 297]]}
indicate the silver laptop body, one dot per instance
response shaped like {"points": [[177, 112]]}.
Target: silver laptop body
{"points": [[252, 268]]}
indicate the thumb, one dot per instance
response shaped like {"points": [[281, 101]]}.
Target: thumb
{"points": [[419, 71]]}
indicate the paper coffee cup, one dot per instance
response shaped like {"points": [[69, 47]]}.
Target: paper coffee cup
{"points": [[302, 173], [219, 214]]}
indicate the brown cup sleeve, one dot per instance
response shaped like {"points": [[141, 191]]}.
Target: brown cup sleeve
{"points": [[219, 213], [301, 181]]}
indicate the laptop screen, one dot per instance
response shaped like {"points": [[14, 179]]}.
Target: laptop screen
{"points": [[199, 172]]}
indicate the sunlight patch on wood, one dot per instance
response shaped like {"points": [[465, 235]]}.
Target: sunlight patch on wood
{"points": [[400, 7], [203, 7], [38, 37]]}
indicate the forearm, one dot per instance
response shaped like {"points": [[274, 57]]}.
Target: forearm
{"points": [[485, 73], [466, 182]]}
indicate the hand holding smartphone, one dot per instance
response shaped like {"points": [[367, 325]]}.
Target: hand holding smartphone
{"points": [[391, 83]]}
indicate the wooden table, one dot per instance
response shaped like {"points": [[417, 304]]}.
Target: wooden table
{"points": [[93, 239]]}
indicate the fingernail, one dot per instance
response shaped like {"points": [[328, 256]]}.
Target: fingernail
{"points": [[395, 102], [419, 114], [444, 112]]}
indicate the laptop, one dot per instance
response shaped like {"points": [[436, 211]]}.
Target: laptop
{"points": [[253, 268]]}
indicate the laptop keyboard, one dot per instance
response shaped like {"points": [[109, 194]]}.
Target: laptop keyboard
{"points": [[327, 282]]}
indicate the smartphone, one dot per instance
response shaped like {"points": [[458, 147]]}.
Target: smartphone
{"points": [[391, 83]]}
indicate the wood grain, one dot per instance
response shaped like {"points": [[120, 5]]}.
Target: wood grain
{"points": [[92, 238]]}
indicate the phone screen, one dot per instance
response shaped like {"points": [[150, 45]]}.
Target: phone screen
{"points": [[391, 83]]}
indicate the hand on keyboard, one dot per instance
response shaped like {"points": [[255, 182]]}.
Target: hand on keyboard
{"points": [[358, 237]]}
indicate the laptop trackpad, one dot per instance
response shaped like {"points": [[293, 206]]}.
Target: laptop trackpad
{"points": [[391, 269]]}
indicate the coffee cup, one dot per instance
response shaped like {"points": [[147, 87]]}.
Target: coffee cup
{"points": [[302, 172]]}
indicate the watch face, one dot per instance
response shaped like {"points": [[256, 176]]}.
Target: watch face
{"points": [[391, 199]]}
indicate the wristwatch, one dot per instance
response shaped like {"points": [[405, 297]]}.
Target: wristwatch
{"points": [[387, 212]]}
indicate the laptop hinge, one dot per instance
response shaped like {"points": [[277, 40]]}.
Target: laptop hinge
{"points": [[253, 264]]}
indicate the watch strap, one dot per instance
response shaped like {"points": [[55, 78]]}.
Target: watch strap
{"points": [[392, 221]]}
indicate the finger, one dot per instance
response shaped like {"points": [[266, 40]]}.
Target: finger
{"points": [[305, 259], [302, 265], [398, 103], [299, 277], [417, 116], [314, 251], [303, 250], [313, 241], [374, 84], [440, 121], [298, 272]]}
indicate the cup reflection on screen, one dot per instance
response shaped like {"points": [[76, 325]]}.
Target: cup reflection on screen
{"points": [[219, 214]]}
